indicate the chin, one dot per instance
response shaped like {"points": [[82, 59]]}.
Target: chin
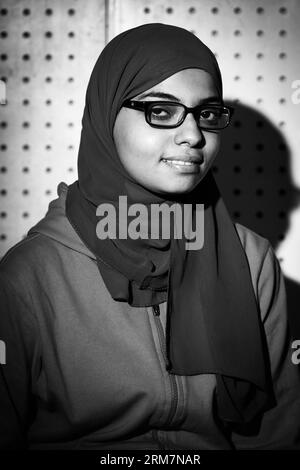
{"points": [[177, 189]]}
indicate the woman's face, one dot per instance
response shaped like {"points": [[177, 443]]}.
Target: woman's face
{"points": [[149, 154]]}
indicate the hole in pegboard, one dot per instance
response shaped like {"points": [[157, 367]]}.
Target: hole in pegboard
{"points": [[282, 192], [282, 147], [259, 169], [26, 34], [237, 192], [237, 169], [282, 10], [237, 146]]}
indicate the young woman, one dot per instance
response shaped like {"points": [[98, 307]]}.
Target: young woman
{"points": [[127, 342]]}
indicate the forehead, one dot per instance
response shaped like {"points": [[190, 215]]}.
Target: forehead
{"points": [[188, 85]]}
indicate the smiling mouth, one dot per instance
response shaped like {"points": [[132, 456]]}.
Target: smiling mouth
{"points": [[178, 162], [183, 166]]}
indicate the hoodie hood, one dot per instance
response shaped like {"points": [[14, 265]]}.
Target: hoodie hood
{"points": [[56, 225]]}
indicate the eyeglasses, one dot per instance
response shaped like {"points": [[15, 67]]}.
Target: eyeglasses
{"points": [[170, 114]]}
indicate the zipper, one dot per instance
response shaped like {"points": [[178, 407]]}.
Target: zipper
{"points": [[174, 391]]}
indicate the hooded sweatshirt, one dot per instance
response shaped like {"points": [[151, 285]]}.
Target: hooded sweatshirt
{"points": [[84, 371]]}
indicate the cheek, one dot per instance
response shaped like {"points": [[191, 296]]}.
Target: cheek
{"points": [[136, 142], [213, 142]]}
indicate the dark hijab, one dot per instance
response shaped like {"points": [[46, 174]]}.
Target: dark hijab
{"points": [[213, 320]]}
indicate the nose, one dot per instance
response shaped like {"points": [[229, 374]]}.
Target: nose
{"points": [[189, 133]]}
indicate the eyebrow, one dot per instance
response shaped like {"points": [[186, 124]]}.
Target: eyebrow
{"points": [[169, 96]]}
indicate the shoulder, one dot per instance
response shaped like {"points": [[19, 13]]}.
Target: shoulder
{"points": [[255, 245], [266, 274], [263, 263], [23, 264]]}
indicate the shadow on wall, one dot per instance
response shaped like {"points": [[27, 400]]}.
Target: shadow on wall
{"points": [[255, 155]]}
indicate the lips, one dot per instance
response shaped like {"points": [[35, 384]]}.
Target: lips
{"points": [[184, 164], [184, 159]]}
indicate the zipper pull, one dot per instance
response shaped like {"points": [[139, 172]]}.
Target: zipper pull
{"points": [[156, 310]]}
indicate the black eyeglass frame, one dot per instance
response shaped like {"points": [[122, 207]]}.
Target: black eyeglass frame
{"points": [[196, 110]]}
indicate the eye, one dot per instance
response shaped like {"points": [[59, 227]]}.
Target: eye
{"points": [[210, 114], [161, 112]]}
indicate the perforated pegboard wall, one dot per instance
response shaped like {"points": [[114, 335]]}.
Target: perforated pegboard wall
{"points": [[48, 49]]}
